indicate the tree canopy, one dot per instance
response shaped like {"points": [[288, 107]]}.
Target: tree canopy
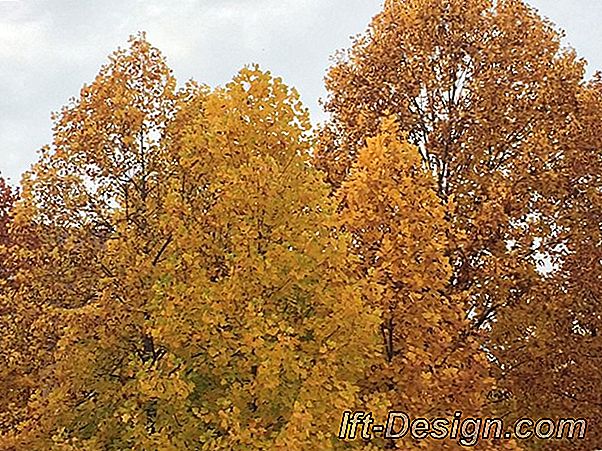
{"points": [[199, 268]]}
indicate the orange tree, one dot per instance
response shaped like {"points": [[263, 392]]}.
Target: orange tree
{"points": [[503, 121]]}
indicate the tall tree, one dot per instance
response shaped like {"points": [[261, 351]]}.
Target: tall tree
{"points": [[431, 365], [484, 91], [492, 102], [554, 360], [104, 155]]}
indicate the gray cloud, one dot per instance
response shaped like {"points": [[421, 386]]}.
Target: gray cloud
{"points": [[48, 49]]}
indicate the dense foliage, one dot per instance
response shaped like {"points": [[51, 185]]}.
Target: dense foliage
{"points": [[194, 268]]}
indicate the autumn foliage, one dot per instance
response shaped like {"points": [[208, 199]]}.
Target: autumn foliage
{"points": [[503, 120], [196, 268]]}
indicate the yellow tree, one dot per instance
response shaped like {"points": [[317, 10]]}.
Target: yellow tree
{"points": [[431, 365], [10, 386], [257, 310], [493, 103], [224, 317], [18, 343], [104, 154], [484, 90]]}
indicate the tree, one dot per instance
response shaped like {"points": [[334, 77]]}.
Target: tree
{"points": [[255, 310], [215, 309], [431, 364], [493, 103], [104, 155], [487, 114], [7, 200], [559, 356]]}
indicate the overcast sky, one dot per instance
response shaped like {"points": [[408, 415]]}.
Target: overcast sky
{"points": [[50, 48]]}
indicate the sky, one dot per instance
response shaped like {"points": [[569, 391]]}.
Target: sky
{"points": [[50, 48]]}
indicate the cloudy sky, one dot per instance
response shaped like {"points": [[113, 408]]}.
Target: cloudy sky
{"points": [[49, 48]]}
